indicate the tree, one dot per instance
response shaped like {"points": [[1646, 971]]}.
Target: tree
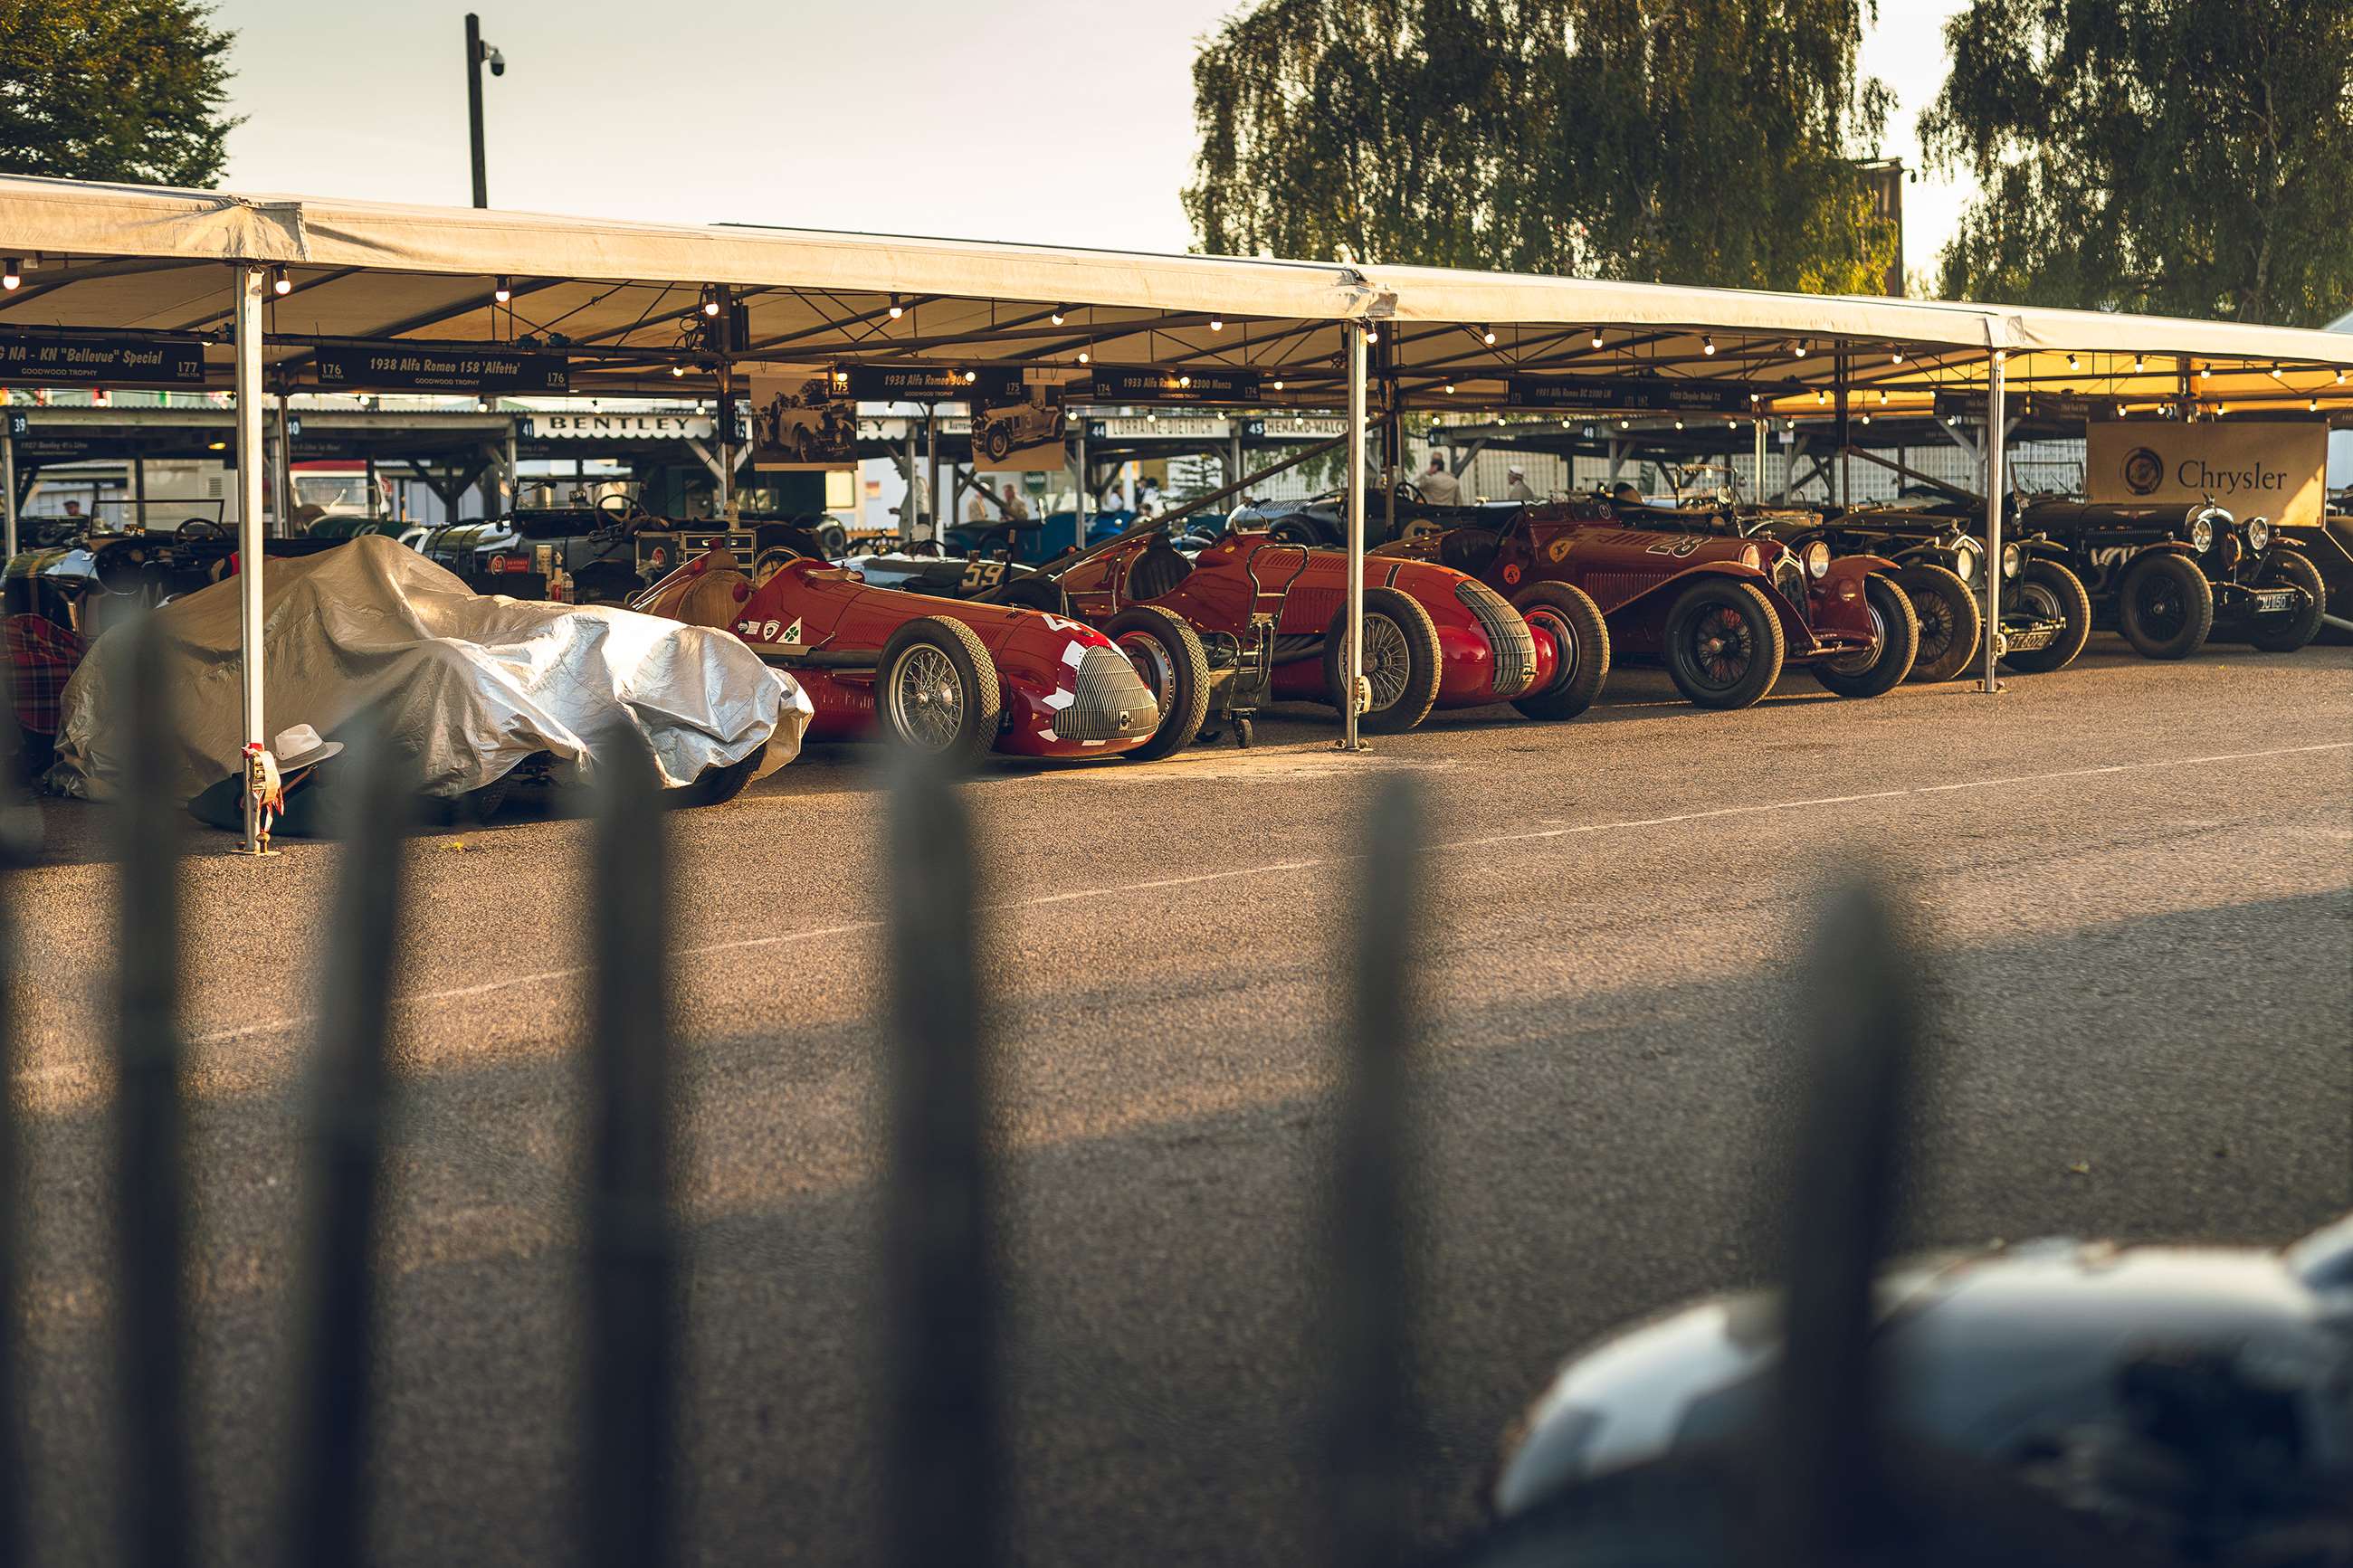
{"points": [[1705, 142], [2185, 157], [113, 89]]}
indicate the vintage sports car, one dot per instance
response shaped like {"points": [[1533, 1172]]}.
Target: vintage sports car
{"points": [[1036, 420], [1723, 614], [943, 675], [583, 554], [2170, 576], [1324, 519], [474, 687], [2328, 545]]}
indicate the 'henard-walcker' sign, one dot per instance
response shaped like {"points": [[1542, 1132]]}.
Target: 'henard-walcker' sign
{"points": [[2253, 468]]}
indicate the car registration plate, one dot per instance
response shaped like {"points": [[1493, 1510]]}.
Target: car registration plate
{"points": [[2273, 600]]}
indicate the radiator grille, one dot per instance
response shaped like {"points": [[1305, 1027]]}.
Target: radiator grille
{"points": [[1113, 702], [1507, 633]]}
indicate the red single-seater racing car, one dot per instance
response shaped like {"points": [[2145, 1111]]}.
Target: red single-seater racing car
{"points": [[941, 675], [1724, 614]]}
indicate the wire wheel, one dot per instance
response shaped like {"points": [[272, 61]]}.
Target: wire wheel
{"points": [[1723, 648], [2159, 602], [927, 698], [1388, 661]]}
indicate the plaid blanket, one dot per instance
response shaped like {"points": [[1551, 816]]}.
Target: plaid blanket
{"points": [[42, 655]]}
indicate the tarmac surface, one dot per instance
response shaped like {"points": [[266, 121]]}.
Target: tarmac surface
{"points": [[2132, 883]]}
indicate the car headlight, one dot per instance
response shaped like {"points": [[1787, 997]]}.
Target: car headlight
{"points": [[1816, 557], [2013, 560], [2259, 533], [2202, 533], [1965, 563]]}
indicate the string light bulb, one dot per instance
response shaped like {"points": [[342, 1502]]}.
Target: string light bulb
{"points": [[1084, 356], [13, 276], [1882, 398], [279, 284], [970, 376], [2204, 371], [1216, 324], [1805, 347], [1449, 389], [1487, 336], [1278, 384], [1372, 334], [2073, 364], [1597, 337], [2136, 364], [677, 370], [1057, 315], [502, 290], [1707, 346], [1898, 356], [897, 311]]}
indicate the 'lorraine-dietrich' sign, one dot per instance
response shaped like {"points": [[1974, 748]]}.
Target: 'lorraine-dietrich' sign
{"points": [[2253, 467]]}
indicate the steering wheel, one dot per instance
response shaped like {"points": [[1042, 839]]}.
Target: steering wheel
{"points": [[619, 516], [1407, 487], [198, 531]]}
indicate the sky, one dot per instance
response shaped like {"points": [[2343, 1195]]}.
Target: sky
{"points": [[1061, 122]]}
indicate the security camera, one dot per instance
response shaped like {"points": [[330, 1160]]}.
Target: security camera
{"points": [[498, 62]]}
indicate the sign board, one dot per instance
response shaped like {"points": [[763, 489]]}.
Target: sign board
{"points": [[804, 420], [619, 426], [430, 368], [71, 360], [1132, 384], [1019, 428], [933, 383], [1627, 394], [2062, 407], [2256, 468], [1297, 427], [1176, 426]]}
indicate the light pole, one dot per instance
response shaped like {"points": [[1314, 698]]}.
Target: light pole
{"points": [[477, 53]]}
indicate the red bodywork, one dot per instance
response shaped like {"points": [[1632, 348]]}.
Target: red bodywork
{"points": [[809, 613], [1625, 569], [1303, 588]]}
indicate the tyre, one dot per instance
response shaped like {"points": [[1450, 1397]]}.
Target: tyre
{"points": [[1951, 623], [2165, 606], [1168, 654], [1293, 531], [997, 443], [1581, 638], [833, 540], [2051, 592], [935, 689], [2285, 634], [479, 805], [1401, 662], [718, 785], [1881, 669], [1722, 644]]}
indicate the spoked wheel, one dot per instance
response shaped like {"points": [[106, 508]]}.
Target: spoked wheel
{"points": [[2165, 606], [1883, 667], [937, 690], [1401, 662], [1724, 647], [1169, 656], [1565, 615], [2048, 592], [1951, 623], [2285, 634]]}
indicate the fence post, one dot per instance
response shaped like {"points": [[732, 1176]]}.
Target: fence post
{"points": [[12, 1450], [151, 1200], [327, 1509], [1368, 1308], [942, 1457], [632, 1319]]}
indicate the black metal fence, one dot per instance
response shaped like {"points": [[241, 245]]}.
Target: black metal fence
{"points": [[1826, 1486]]}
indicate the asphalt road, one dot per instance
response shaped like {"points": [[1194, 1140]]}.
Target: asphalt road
{"points": [[2133, 882]]}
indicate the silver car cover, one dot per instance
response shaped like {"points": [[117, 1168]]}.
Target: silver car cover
{"points": [[468, 684]]}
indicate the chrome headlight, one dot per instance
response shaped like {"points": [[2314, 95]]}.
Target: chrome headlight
{"points": [[1965, 563], [2013, 560], [1816, 558], [2202, 533], [2259, 534]]}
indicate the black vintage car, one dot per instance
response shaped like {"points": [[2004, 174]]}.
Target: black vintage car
{"points": [[2328, 544], [585, 554], [2170, 576]]}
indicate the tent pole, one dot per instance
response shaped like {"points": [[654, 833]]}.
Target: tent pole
{"points": [[1077, 419], [1756, 476], [907, 507], [281, 479], [932, 458], [8, 481], [514, 474], [1351, 700], [1996, 488], [1846, 464], [139, 489], [252, 286]]}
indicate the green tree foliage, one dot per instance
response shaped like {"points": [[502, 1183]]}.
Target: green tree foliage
{"points": [[1706, 141], [113, 89], [2186, 157]]}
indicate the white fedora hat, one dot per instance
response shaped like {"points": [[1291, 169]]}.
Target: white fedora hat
{"points": [[299, 746]]}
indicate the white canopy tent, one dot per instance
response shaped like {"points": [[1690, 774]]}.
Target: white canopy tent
{"points": [[266, 282]]}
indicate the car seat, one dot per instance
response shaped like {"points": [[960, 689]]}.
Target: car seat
{"points": [[1468, 550], [1158, 570]]}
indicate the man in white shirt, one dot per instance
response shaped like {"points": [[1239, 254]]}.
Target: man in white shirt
{"points": [[1440, 487], [1519, 489]]}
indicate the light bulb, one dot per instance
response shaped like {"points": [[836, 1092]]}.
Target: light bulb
{"points": [[897, 310], [1707, 346], [1897, 356], [279, 284], [2136, 364], [677, 370], [1449, 389], [1057, 315], [1487, 336], [13, 276], [970, 376], [1597, 337], [502, 290], [1278, 385], [1882, 398], [1084, 356], [1215, 325], [1372, 334]]}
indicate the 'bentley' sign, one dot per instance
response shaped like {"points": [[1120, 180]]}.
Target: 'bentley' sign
{"points": [[2255, 469]]}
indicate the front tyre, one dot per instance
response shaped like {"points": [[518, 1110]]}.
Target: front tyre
{"points": [[2050, 592], [2165, 606], [1951, 623], [1167, 655], [935, 689], [1401, 662], [2285, 634], [716, 786], [1884, 667], [1567, 616], [1722, 644]]}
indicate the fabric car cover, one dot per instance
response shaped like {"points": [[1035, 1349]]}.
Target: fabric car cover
{"points": [[469, 685]]}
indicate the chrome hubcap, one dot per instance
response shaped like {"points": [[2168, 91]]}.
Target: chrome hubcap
{"points": [[1388, 662], [926, 698]]}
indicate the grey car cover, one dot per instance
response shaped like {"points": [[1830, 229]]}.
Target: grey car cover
{"points": [[468, 684]]}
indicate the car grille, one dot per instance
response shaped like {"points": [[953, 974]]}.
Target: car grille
{"points": [[1112, 701], [1790, 582], [1507, 633]]}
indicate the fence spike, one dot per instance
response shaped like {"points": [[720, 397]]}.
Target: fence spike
{"points": [[152, 1199], [942, 1465], [1823, 1485], [1368, 1306], [327, 1512], [632, 1319]]}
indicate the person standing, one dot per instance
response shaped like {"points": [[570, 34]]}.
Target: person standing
{"points": [[1015, 508], [1438, 487], [1518, 489]]}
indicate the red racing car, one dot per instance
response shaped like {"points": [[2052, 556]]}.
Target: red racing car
{"points": [[1724, 614], [1252, 619], [941, 675]]}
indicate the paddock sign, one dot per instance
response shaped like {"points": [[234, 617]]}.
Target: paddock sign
{"points": [[2253, 469]]}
